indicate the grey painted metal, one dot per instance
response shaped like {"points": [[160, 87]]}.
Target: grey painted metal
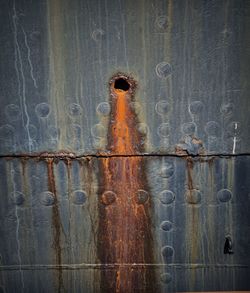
{"points": [[189, 231], [191, 61]]}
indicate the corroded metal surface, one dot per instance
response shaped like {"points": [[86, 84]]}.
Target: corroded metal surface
{"points": [[137, 187], [125, 220], [189, 225], [190, 60]]}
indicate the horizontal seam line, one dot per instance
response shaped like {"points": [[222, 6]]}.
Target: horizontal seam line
{"points": [[104, 156], [114, 265]]}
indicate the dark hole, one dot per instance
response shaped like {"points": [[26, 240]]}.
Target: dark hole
{"points": [[228, 246], [121, 84]]}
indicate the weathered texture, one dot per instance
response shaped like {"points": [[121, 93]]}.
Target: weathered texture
{"points": [[188, 232], [190, 59], [182, 156]]}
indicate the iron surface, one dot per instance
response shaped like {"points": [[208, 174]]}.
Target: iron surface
{"points": [[190, 144]]}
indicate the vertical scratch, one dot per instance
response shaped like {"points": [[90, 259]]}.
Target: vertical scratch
{"points": [[18, 59], [29, 59], [234, 143], [17, 229]]}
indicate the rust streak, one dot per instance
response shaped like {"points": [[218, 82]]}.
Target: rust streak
{"points": [[193, 219], [190, 165], [124, 207], [56, 223]]}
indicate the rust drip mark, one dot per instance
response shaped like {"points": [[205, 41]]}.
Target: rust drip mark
{"points": [[86, 176], [193, 217], [68, 164], [190, 166], [56, 223], [24, 164], [24, 175], [124, 235]]}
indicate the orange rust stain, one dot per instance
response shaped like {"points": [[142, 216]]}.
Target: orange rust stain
{"points": [[56, 223], [124, 138], [125, 239]]}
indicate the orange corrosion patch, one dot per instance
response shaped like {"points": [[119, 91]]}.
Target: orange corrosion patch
{"points": [[125, 241], [124, 138]]}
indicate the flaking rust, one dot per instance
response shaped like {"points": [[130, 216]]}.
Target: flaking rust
{"points": [[124, 236]]}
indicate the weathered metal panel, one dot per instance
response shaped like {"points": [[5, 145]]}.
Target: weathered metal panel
{"points": [[190, 59], [115, 189], [57, 240]]}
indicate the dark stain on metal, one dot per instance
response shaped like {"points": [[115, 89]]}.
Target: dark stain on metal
{"points": [[68, 162], [24, 174], [56, 223], [192, 217], [190, 165], [228, 246], [87, 178], [124, 236], [210, 162], [24, 164]]}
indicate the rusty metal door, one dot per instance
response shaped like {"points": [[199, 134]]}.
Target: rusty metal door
{"points": [[124, 146]]}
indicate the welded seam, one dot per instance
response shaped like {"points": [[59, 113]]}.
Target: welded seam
{"points": [[115, 265], [104, 156]]}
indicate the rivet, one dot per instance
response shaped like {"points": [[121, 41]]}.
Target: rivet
{"points": [[161, 22], [98, 131], [42, 110], [166, 278], [103, 109], [163, 69], [108, 197], [18, 198], [74, 110], [167, 170], [212, 128], [224, 195], [167, 251], [196, 107], [193, 196], [47, 198], [167, 197], [166, 226], [141, 196], [188, 128], [162, 107], [79, 197], [163, 130]]}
